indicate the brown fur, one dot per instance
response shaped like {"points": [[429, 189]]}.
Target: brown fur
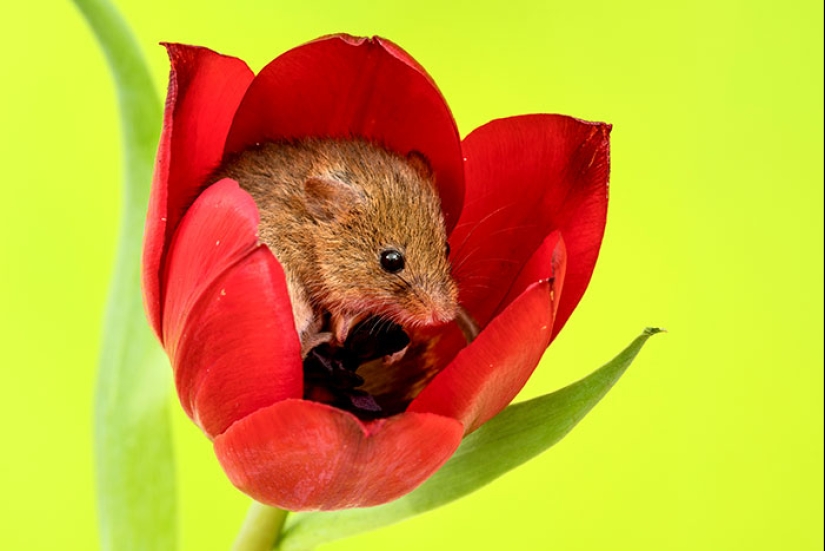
{"points": [[328, 208]]}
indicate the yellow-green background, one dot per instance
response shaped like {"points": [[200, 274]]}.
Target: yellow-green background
{"points": [[713, 439]]}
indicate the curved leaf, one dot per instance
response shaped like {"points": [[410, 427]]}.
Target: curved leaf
{"points": [[133, 447], [519, 433]]}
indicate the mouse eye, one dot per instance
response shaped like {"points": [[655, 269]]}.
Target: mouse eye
{"points": [[392, 261], [447, 249]]}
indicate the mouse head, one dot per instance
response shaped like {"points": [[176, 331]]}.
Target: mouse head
{"points": [[382, 245]]}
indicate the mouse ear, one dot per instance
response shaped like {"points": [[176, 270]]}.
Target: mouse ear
{"points": [[327, 199], [421, 164]]}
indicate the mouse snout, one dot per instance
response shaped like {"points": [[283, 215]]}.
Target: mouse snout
{"points": [[440, 305]]}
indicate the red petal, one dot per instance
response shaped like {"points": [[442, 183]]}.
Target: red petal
{"points": [[227, 323], [205, 88], [527, 177], [301, 455], [218, 230], [240, 351], [486, 375], [342, 86], [549, 262]]}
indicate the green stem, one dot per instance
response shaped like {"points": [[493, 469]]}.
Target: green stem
{"points": [[261, 528], [135, 471]]}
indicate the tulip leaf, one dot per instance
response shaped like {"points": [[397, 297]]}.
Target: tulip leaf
{"points": [[133, 445], [516, 435]]}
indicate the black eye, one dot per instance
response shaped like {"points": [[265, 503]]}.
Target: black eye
{"points": [[447, 249], [392, 261]]}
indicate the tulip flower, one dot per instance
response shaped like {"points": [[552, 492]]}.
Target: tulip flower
{"points": [[524, 201]]}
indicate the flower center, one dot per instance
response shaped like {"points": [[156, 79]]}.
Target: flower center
{"points": [[330, 372]]}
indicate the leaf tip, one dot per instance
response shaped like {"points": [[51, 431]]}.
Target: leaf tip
{"points": [[653, 330]]}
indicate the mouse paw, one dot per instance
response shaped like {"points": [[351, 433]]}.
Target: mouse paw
{"points": [[311, 341]]}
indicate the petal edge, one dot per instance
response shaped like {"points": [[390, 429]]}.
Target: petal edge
{"points": [[302, 456], [486, 375], [204, 90], [342, 86]]}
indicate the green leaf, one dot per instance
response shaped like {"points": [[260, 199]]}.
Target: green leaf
{"points": [[516, 435], [133, 446]]}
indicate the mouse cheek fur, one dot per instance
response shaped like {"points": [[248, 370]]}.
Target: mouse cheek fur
{"points": [[341, 287]]}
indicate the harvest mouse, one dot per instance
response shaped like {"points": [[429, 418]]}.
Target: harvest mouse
{"points": [[358, 230]]}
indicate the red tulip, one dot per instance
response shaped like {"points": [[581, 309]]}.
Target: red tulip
{"points": [[524, 199]]}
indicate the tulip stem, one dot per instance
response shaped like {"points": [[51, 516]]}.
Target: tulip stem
{"points": [[261, 528]]}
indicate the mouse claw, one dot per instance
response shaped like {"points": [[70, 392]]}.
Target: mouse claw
{"points": [[396, 356], [342, 324]]}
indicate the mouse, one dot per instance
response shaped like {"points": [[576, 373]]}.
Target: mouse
{"points": [[358, 230]]}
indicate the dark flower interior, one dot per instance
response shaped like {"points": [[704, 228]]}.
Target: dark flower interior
{"points": [[378, 371]]}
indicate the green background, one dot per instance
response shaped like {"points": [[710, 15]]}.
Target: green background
{"points": [[713, 440]]}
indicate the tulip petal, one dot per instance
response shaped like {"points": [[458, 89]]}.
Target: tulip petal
{"points": [[521, 432], [228, 325], [486, 375], [436, 347], [205, 89], [218, 230], [300, 455], [341, 87], [240, 352], [529, 176], [548, 262]]}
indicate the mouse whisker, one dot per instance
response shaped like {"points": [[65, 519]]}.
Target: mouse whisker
{"points": [[468, 259], [509, 229], [473, 283], [378, 327], [488, 215], [407, 284], [477, 262], [479, 223], [465, 260]]}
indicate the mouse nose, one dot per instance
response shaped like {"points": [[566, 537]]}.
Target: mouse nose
{"points": [[442, 303]]}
